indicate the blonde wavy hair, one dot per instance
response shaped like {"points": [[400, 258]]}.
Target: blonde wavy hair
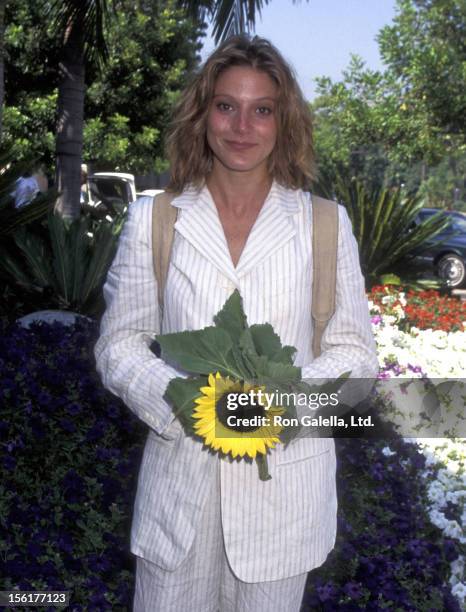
{"points": [[291, 163]]}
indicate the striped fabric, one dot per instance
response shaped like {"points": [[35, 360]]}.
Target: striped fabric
{"points": [[273, 529], [204, 582]]}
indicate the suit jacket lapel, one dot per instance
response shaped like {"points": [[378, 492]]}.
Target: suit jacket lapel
{"points": [[272, 229], [199, 223]]}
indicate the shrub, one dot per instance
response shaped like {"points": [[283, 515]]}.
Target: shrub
{"points": [[383, 224], [64, 263]]}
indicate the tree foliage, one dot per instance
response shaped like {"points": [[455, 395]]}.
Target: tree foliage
{"points": [[129, 103], [402, 125], [425, 48], [151, 47]]}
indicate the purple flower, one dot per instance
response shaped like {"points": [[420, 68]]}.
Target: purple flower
{"points": [[418, 460], [96, 584], [44, 398], [74, 408], [125, 468], [9, 463], [65, 543], [73, 487], [326, 592], [451, 550], [37, 427], [99, 563], [113, 412], [416, 547], [377, 471], [96, 432], [48, 568], [34, 549], [353, 590], [67, 425], [16, 567], [4, 428]]}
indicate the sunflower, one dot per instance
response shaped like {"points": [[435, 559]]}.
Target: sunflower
{"points": [[251, 431]]}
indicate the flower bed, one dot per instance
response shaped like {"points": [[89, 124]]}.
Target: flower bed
{"points": [[68, 476], [407, 351], [427, 310]]}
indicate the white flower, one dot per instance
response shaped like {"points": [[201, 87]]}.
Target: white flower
{"points": [[430, 459], [437, 354], [399, 311], [457, 566], [453, 530], [436, 493], [459, 590], [454, 497], [438, 519], [387, 452]]}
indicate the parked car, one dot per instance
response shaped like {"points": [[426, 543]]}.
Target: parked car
{"points": [[114, 190], [444, 255], [111, 190], [150, 192]]}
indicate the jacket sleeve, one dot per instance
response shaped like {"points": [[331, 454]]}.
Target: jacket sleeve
{"points": [[348, 342], [126, 364]]}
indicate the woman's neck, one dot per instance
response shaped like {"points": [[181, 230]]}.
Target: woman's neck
{"points": [[237, 191]]}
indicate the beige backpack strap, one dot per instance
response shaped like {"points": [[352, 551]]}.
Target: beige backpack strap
{"points": [[324, 254], [163, 229]]}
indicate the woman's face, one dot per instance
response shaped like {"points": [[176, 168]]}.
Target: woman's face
{"points": [[242, 120]]}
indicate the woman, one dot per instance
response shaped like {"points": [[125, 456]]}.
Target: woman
{"points": [[207, 533]]}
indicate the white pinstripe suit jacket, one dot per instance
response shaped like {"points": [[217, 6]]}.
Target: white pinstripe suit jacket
{"points": [[272, 529]]}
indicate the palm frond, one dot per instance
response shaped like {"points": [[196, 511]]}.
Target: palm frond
{"points": [[235, 16], [88, 17], [228, 16]]}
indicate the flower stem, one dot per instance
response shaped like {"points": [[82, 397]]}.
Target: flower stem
{"points": [[262, 466]]}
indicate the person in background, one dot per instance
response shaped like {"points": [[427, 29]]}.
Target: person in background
{"points": [[84, 197], [28, 186]]}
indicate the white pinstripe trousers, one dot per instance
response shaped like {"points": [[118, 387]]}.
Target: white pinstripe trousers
{"points": [[204, 582]]}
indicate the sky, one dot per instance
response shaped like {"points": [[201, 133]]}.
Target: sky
{"points": [[317, 37]]}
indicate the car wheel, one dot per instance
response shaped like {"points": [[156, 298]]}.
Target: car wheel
{"points": [[452, 270]]}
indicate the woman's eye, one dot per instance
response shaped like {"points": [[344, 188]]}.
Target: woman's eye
{"points": [[223, 106], [264, 110]]}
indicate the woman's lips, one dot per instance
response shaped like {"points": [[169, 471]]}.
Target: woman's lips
{"points": [[239, 146]]}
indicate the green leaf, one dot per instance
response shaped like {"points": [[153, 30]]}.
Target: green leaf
{"points": [[277, 373], [266, 341], [181, 393], [231, 317], [202, 351], [390, 279], [285, 355]]}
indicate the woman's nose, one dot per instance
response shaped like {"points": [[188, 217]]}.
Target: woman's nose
{"points": [[241, 122]]}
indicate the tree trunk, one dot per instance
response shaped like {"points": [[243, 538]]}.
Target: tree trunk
{"points": [[69, 143], [2, 76]]}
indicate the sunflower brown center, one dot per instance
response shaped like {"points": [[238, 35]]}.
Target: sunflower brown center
{"points": [[242, 413]]}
